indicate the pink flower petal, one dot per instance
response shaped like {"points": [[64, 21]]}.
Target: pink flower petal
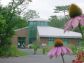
{"points": [[52, 52], [59, 51], [69, 51], [68, 25], [75, 22], [82, 20], [64, 51]]}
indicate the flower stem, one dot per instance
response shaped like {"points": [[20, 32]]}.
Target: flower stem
{"points": [[62, 58], [81, 31]]}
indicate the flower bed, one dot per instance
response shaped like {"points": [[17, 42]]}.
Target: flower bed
{"points": [[79, 57]]}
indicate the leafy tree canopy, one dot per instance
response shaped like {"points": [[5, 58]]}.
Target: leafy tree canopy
{"points": [[9, 21], [63, 9], [31, 14], [57, 21]]}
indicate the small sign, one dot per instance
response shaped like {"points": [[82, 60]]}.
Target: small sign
{"points": [[43, 44]]}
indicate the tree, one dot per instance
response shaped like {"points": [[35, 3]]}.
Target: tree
{"points": [[31, 14], [61, 8], [57, 22], [35, 46], [7, 24], [20, 22], [18, 6]]}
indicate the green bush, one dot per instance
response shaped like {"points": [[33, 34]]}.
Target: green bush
{"points": [[12, 51], [47, 48], [74, 49], [15, 52], [81, 48], [35, 46]]}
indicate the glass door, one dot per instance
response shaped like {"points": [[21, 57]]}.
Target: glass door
{"points": [[21, 42]]}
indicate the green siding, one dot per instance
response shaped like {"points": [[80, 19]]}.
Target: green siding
{"points": [[32, 34], [50, 43], [65, 41]]}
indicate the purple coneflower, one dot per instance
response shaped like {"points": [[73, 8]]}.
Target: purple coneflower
{"points": [[59, 49], [74, 22], [76, 19]]}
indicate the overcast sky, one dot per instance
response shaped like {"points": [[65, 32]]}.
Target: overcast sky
{"points": [[45, 7]]}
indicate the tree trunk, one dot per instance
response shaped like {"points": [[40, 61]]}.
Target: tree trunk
{"points": [[43, 50]]}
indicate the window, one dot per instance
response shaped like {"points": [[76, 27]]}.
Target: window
{"points": [[39, 23], [50, 41], [30, 23], [45, 23], [78, 42], [34, 23], [42, 24]]}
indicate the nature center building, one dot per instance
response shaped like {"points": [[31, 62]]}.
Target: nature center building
{"points": [[39, 31], [47, 34]]}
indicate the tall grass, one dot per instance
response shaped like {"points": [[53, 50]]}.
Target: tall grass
{"points": [[13, 51]]}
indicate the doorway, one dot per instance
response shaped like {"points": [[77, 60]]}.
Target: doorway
{"points": [[21, 42]]}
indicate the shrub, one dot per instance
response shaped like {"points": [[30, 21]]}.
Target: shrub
{"points": [[12, 51], [35, 46], [74, 49]]}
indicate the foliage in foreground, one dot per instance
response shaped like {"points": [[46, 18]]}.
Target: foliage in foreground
{"points": [[76, 48], [13, 52]]}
